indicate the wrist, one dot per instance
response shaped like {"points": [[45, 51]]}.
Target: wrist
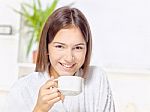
{"points": [[36, 109]]}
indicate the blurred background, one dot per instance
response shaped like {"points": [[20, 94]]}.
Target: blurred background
{"points": [[121, 45]]}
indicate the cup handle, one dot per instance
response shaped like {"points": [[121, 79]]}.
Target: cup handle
{"points": [[56, 80]]}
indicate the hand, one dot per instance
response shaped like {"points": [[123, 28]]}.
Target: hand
{"points": [[47, 97]]}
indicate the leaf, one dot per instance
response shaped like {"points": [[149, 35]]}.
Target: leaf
{"points": [[19, 12], [28, 5], [35, 17], [51, 8], [30, 45], [39, 4]]}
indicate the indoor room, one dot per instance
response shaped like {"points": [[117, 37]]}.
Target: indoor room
{"points": [[120, 33]]}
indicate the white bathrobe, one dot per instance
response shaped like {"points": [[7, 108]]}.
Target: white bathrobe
{"points": [[96, 94]]}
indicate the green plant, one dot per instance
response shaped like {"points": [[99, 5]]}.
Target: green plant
{"points": [[35, 16]]}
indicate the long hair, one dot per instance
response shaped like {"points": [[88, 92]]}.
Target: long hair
{"points": [[62, 18]]}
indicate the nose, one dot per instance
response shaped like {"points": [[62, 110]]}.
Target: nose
{"points": [[69, 57]]}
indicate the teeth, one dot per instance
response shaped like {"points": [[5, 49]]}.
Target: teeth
{"points": [[67, 66]]}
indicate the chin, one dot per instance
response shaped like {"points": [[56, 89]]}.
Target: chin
{"points": [[66, 74]]}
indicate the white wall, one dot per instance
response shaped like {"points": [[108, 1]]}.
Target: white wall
{"points": [[8, 44], [121, 32]]}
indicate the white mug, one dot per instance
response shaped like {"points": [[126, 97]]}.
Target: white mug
{"points": [[70, 85]]}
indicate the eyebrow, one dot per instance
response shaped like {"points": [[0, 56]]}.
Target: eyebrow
{"points": [[80, 44], [65, 44], [58, 43]]}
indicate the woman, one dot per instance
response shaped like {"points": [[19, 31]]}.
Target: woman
{"points": [[65, 48]]}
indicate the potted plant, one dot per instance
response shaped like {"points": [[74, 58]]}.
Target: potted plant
{"points": [[34, 17]]}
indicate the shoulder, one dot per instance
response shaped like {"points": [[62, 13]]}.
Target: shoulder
{"points": [[96, 75], [23, 91], [26, 87], [28, 80], [96, 71]]}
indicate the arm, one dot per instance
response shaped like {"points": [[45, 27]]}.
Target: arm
{"points": [[106, 102], [19, 98], [109, 103]]}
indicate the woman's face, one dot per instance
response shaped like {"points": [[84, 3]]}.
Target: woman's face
{"points": [[67, 52]]}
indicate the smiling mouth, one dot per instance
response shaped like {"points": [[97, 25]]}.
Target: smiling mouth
{"points": [[68, 66]]}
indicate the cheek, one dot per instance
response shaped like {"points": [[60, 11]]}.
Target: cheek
{"points": [[80, 57], [54, 57]]}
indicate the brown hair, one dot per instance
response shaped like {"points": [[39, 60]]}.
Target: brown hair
{"points": [[64, 17]]}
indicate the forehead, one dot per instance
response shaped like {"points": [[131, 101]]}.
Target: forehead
{"points": [[72, 34]]}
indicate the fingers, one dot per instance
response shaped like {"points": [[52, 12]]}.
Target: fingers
{"points": [[49, 84], [48, 95], [52, 98], [62, 97], [48, 91]]}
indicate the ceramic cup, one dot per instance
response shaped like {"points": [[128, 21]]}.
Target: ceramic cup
{"points": [[70, 85]]}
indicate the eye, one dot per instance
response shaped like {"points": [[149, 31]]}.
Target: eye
{"points": [[78, 47], [59, 46]]}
